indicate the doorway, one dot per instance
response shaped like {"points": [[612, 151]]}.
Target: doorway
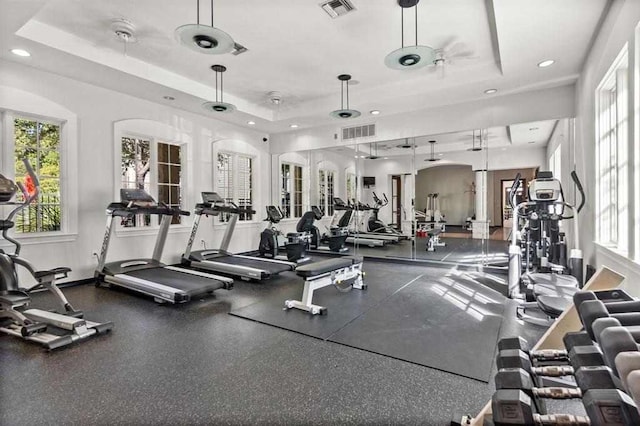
{"points": [[507, 212], [396, 202]]}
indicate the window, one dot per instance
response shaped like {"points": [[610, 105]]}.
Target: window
{"points": [[326, 191], [169, 176], [291, 190], [40, 143], [612, 214], [136, 172], [234, 181]]}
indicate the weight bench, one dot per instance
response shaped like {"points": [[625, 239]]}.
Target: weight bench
{"points": [[434, 239], [342, 270]]}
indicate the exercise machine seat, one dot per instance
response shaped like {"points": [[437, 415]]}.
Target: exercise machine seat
{"points": [[13, 298], [324, 266], [554, 305], [55, 271], [553, 279]]}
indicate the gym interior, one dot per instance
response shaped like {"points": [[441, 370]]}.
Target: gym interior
{"points": [[337, 212]]}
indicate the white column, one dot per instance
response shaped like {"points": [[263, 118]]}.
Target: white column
{"points": [[481, 224]]}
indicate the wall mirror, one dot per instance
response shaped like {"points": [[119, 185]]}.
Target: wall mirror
{"points": [[435, 198]]}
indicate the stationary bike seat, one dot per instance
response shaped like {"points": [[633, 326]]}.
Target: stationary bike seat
{"points": [[7, 189]]}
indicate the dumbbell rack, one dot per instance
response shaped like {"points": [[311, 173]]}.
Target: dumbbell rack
{"points": [[603, 279]]}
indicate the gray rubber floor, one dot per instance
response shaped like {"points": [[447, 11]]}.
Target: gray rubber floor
{"points": [[195, 364], [436, 317]]}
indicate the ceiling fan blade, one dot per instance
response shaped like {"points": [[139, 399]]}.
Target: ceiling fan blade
{"points": [[453, 40], [458, 50]]}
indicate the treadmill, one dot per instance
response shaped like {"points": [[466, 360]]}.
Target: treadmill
{"points": [[354, 236], [221, 260], [150, 276]]}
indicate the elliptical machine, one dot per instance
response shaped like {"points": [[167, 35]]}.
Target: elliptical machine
{"points": [[375, 225], [539, 271], [31, 324]]}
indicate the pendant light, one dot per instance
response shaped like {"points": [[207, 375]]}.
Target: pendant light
{"points": [[433, 152], [410, 57], [373, 156], [219, 105], [406, 144], [204, 38], [473, 142], [344, 112]]}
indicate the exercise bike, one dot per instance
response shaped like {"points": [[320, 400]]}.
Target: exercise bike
{"points": [[296, 243], [32, 324]]}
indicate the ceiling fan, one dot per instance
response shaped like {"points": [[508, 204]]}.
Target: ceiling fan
{"points": [[452, 53]]}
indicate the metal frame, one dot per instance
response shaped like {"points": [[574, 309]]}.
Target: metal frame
{"points": [[351, 273]]}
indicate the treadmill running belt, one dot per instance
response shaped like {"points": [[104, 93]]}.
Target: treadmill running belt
{"points": [[189, 283], [271, 267]]}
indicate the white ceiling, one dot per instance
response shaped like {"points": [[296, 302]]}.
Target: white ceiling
{"points": [[297, 49]]}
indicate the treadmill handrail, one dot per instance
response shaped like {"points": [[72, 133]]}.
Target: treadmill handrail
{"points": [[124, 209]]}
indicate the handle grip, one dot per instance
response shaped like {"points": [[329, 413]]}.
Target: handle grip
{"points": [[576, 180], [514, 188]]}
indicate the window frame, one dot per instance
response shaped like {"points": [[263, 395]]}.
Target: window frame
{"points": [[292, 165], [67, 122], [126, 132], [612, 215], [326, 204], [235, 170]]}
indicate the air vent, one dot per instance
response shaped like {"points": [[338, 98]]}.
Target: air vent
{"points": [[238, 49], [335, 8], [358, 132]]}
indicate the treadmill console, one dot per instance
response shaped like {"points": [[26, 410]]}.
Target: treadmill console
{"points": [[273, 214], [136, 197], [211, 198]]}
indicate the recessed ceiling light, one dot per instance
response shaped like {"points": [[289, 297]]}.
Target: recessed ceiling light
{"points": [[440, 155], [546, 63], [251, 123], [385, 158], [374, 112], [20, 52], [294, 126], [490, 91], [503, 149], [169, 98]]}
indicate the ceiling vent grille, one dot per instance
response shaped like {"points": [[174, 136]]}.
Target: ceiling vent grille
{"points": [[335, 8], [358, 132]]}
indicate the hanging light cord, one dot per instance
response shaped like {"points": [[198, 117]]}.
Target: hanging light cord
{"points": [[198, 12], [346, 83], [402, 26], [342, 95], [212, 15], [216, 85], [221, 87], [416, 23]]}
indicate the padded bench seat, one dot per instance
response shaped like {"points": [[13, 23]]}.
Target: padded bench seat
{"points": [[553, 305], [553, 279], [324, 266], [55, 271]]}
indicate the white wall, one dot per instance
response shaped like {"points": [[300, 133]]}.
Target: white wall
{"points": [[97, 110], [618, 29], [494, 111], [450, 182]]}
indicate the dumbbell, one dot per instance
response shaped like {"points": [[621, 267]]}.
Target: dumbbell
{"points": [[604, 407], [578, 356], [548, 355], [599, 377], [615, 340], [628, 313], [607, 296]]}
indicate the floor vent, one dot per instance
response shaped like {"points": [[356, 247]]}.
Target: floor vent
{"points": [[335, 8], [358, 132]]}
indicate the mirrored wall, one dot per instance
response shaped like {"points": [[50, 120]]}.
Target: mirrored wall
{"points": [[435, 198]]}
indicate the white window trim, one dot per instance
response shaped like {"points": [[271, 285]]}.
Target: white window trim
{"points": [[26, 105], [234, 168], [144, 129], [303, 169], [335, 187], [625, 223]]}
